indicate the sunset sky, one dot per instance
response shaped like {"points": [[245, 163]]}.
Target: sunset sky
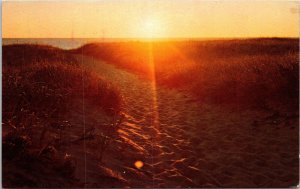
{"points": [[150, 19]]}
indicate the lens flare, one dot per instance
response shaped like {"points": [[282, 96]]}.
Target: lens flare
{"points": [[138, 164]]}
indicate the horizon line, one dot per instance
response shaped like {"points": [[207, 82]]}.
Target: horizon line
{"points": [[152, 39]]}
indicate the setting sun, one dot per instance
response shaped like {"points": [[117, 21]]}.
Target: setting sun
{"points": [[152, 28]]}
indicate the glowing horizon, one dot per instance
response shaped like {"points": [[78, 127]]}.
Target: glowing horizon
{"points": [[150, 19]]}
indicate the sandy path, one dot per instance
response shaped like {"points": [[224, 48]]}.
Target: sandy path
{"points": [[155, 131], [185, 144]]}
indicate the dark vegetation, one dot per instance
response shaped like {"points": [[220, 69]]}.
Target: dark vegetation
{"points": [[41, 85], [18, 55], [256, 73]]}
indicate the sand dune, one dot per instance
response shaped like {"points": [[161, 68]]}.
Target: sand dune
{"points": [[183, 143]]}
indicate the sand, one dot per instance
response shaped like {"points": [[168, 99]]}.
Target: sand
{"points": [[184, 143], [179, 141]]}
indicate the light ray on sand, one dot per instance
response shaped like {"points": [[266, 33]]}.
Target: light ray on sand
{"points": [[155, 116], [153, 85]]}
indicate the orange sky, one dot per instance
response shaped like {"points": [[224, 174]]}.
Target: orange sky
{"points": [[145, 18]]}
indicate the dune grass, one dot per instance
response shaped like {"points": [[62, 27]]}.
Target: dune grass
{"points": [[41, 84], [252, 72], [24, 54], [40, 87]]}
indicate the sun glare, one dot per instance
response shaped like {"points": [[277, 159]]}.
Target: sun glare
{"points": [[152, 28]]}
